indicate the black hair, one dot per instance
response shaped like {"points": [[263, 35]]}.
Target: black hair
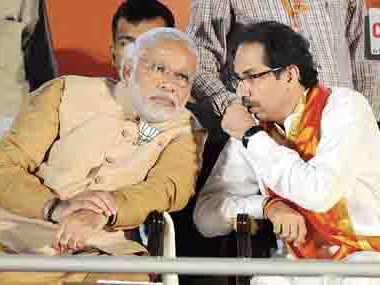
{"points": [[282, 46], [135, 11]]}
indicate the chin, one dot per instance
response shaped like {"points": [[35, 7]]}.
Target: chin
{"points": [[159, 116]]}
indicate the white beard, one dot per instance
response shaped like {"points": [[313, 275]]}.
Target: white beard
{"points": [[131, 100]]}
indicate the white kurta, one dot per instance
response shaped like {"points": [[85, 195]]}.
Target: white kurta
{"points": [[346, 165]]}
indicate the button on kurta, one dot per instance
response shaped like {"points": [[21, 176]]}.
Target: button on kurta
{"points": [[99, 180]]}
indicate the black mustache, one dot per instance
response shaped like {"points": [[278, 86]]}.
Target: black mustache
{"points": [[248, 103]]}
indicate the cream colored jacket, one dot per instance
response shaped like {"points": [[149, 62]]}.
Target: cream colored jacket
{"points": [[73, 136]]}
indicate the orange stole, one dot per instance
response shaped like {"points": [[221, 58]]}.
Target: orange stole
{"points": [[334, 226]]}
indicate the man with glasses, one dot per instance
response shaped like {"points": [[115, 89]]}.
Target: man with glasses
{"points": [[87, 160], [301, 154]]}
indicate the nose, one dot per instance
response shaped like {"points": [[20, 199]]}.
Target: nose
{"points": [[247, 89], [166, 86], [243, 89]]}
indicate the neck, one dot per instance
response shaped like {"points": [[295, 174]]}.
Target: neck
{"points": [[295, 94]]}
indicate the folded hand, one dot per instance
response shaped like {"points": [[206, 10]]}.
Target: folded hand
{"points": [[76, 228], [288, 223]]}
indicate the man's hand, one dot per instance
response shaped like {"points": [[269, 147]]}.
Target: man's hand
{"points": [[100, 202], [288, 223], [237, 120], [77, 228]]}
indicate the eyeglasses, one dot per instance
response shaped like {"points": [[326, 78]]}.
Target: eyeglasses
{"points": [[158, 70], [235, 79]]}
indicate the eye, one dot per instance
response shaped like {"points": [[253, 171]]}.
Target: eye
{"points": [[252, 76], [123, 43], [183, 77], [234, 77], [157, 68]]}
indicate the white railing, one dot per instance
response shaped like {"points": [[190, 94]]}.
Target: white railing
{"points": [[187, 266]]}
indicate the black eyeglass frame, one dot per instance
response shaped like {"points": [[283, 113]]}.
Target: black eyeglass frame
{"points": [[234, 79]]}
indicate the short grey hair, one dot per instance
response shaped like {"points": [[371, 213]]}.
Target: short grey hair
{"points": [[147, 40]]}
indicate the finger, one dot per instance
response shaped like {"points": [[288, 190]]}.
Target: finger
{"points": [[285, 230], [80, 205], [100, 203], [57, 237], [110, 201], [293, 232], [81, 240], [76, 242], [302, 232], [277, 228], [72, 243], [64, 239]]}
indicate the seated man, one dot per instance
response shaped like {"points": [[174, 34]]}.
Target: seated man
{"points": [[131, 19], [303, 155], [87, 160]]}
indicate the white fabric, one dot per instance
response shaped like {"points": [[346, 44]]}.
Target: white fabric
{"points": [[169, 248], [146, 133], [25, 11], [5, 125], [13, 87], [11, 54], [324, 280], [346, 164], [17, 21]]}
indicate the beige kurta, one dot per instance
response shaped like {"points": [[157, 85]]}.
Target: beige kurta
{"points": [[94, 149]]}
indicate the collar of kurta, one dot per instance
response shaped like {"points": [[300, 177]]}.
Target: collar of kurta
{"points": [[289, 130]]}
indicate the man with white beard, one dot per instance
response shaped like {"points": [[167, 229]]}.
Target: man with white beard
{"points": [[88, 159]]}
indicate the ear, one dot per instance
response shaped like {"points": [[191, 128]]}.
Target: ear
{"points": [[113, 55], [292, 74]]}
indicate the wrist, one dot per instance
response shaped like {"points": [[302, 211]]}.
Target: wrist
{"points": [[111, 221], [49, 210], [53, 210], [249, 133]]}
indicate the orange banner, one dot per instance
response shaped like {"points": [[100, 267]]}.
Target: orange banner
{"points": [[372, 3], [81, 33]]}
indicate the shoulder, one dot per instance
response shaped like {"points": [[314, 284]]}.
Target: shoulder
{"points": [[48, 94], [348, 109], [89, 93], [73, 81], [347, 100], [88, 83]]}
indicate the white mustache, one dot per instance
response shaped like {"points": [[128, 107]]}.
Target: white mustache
{"points": [[172, 99]]}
